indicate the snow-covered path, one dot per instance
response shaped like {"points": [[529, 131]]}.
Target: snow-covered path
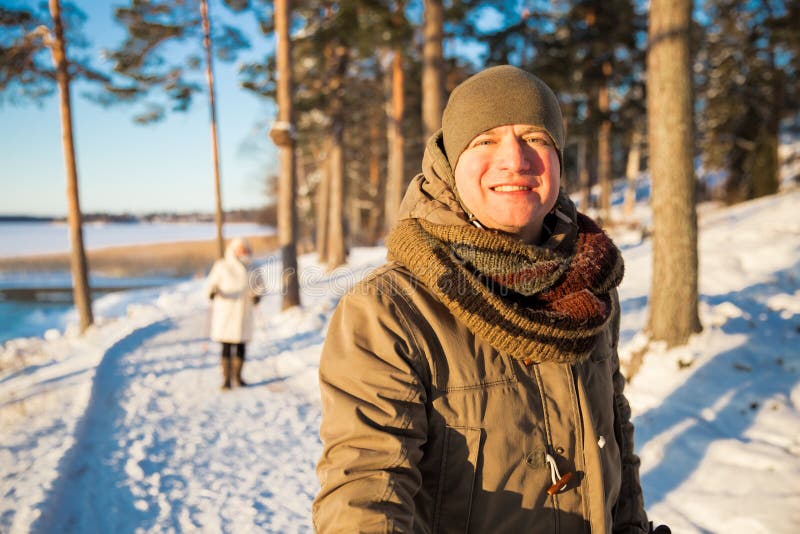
{"points": [[125, 429], [154, 453]]}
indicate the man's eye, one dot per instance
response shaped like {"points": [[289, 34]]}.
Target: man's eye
{"points": [[482, 142], [538, 141]]}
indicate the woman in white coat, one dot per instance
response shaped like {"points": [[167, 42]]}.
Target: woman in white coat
{"points": [[232, 308]]}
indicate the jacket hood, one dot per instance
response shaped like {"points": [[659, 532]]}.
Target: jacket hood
{"points": [[233, 246], [430, 195]]}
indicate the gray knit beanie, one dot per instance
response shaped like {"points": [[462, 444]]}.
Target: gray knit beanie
{"points": [[499, 96]]}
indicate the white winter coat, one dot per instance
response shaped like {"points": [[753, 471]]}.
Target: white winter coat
{"points": [[232, 306]]}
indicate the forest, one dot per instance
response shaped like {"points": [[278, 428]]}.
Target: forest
{"points": [[694, 95]]}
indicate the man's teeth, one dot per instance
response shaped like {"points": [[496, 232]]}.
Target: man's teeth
{"points": [[507, 188]]}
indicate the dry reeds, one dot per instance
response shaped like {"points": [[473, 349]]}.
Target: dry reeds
{"points": [[180, 259]]}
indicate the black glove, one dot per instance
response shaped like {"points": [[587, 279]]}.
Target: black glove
{"points": [[660, 529]]}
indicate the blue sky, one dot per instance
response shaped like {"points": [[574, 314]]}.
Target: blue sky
{"points": [[124, 167]]}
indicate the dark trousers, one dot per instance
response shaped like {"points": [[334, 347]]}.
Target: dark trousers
{"points": [[228, 347]]}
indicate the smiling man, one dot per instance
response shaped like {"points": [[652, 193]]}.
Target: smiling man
{"points": [[472, 384], [508, 178]]}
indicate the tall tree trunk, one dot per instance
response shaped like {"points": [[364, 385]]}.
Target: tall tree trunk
{"points": [[674, 293], [213, 113], [323, 206], [767, 163], [583, 173], [376, 186], [604, 147], [336, 250], [336, 231], [396, 140], [305, 204], [432, 67], [283, 134], [632, 172], [324, 189], [80, 278]]}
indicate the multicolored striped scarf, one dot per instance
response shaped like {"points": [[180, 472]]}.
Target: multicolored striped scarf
{"points": [[532, 302]]}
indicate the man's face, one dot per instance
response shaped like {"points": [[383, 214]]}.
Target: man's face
{"points": [[508, 177]]}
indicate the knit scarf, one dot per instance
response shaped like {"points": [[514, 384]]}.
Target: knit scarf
{"points": [[534, 303]]}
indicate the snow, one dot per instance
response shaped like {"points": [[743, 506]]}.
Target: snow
{"points": [[718, 421], [125, 428]]}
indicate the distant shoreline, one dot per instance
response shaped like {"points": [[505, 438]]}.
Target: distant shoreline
{"points": [[179, 258], [57, 295], [248, 215], [27, 219]]}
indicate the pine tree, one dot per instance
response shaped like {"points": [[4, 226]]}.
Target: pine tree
{"points": [[212, 106], [283, 134], [602, 52], [339, 57], [24, 74], [395, 111], [339, 97], [748, 82], [80, 277], [674, 293], [433, 99], [587, 52], [143, 71]]}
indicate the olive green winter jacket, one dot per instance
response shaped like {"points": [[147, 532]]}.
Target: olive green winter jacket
{"points": [[428, 428]]}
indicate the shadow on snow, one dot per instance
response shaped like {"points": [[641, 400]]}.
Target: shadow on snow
{"points": [[722, 398], [105, 501]]}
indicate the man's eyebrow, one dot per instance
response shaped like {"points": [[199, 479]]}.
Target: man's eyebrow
{"points": [[483, 135], [532, 129]]}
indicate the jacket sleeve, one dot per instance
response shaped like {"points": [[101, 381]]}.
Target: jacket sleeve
{"points": [[629, 513], [210, 286], [374, 420]]}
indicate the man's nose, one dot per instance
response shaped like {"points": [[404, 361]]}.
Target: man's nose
{"points": [[513, 154]]}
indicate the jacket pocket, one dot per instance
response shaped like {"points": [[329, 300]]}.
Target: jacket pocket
{"points": [[480, 370], [460, 453]]}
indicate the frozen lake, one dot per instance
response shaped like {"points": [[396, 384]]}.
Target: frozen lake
{"points": [[33, 317], [31, 238], [52, 307]]}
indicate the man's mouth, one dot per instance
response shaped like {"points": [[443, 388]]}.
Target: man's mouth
{"points": [[510, 188]]}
